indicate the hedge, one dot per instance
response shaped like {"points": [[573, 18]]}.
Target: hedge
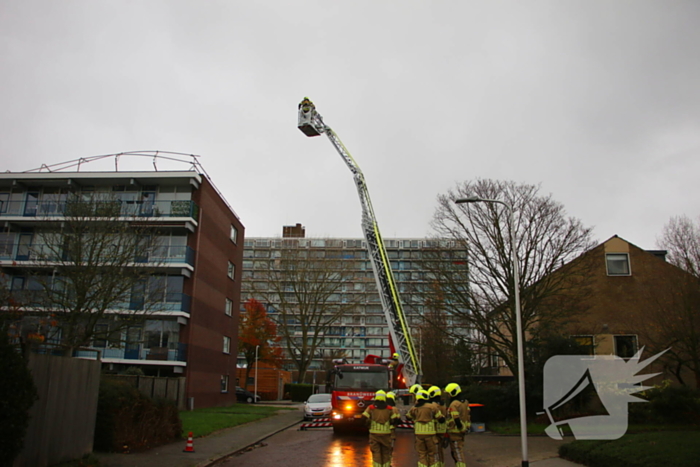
{"points": [[130, 421], [673, 448]]}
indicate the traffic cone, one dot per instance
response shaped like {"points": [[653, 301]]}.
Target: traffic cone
{"points": [[189, 447]]}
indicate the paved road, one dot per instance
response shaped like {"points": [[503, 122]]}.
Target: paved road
{"points": [[321, 447]]}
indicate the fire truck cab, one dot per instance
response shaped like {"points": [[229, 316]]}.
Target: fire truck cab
{"points": [[352, 387]]}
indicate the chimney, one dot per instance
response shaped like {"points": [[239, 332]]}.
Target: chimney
{"points": [[293, 231]]}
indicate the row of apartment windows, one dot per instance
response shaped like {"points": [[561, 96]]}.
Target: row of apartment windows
{"points": [[338, 243]]}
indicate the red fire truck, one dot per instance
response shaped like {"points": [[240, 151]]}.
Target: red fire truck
{"points": [[352, 387]]}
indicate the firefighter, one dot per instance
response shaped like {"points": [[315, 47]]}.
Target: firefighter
{"points": [[394, 361], [424, 415], [458, 422], [441, 437], [391, 402], [380, 418]]}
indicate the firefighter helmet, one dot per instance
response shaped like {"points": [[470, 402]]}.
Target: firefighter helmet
{"points": [[391, 395], [453, 389], [434, 391], [422, 395], [395, 356], [415, 388], [380, 396]]}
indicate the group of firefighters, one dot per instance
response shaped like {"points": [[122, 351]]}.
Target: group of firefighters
{"points": [[436, 426]]}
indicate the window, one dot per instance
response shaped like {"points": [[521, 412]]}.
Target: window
{"points": [[99, 338], [625, 346], [229, 307], [227, 344], [224, 383], [585, 341], [618, 264], [231, 273], [234, 234]]}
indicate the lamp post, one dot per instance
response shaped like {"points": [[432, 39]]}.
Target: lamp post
{"points": [[256, 375], [518, 319]]}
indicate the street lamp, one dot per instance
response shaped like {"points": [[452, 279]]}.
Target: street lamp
{"points": [[518, 319], [256, 375]]}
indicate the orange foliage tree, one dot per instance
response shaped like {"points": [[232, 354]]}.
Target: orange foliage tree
{"points": [[257, 329]]}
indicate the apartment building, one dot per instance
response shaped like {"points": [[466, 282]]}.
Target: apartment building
{"points": [[193, 330], [362, 328]]}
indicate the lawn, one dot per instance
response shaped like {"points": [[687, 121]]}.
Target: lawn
{"points": [[202, 422], [653, 449]]}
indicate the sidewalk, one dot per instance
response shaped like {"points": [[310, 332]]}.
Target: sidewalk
{"points": [[210, 448]]}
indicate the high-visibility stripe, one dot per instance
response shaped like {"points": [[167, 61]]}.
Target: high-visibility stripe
{"points": [[380, 428], [423, 428]]}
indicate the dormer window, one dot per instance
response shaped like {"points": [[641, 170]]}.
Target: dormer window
{"points": [[618, 264]]}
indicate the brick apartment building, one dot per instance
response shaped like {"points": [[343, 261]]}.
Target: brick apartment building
{"points": [[194, 332]]}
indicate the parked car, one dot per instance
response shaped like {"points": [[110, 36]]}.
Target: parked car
{"points": [[317, 406], [246, 396]]}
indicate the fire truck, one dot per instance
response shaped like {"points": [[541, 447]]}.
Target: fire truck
{"points": [[353, 385]]}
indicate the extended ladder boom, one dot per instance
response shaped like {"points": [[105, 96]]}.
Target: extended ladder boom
{"points": [[311, 124]]}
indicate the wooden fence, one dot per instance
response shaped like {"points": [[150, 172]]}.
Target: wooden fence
{"points": [[172, 389], [62, 423]]}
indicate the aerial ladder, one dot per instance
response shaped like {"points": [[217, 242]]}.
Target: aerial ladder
{"points": [[311, 124]]}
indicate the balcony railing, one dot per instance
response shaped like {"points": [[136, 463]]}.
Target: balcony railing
{"points": [[44, 252], [172, 302], [140, 352], [161, 208]]}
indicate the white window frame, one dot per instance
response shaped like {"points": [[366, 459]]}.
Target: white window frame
{"points": [[234, 234], [228, 307], [227, 345], [607, 264], [231, 271]]}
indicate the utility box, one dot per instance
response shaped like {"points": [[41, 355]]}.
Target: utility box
{"points": [[478, 416]]}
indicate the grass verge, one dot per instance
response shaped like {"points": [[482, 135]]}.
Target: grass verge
{"points": [[673, 448], [202, 422]]}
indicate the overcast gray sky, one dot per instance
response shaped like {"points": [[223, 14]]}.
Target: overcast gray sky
{"points": [[597, 101]]}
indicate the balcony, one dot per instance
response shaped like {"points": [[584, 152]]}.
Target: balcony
{"points": [[172, 302], [41, 252], [118, 208], [138, 352]]}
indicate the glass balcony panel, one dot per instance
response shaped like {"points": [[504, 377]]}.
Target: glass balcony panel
{"points": [[32, 207]]}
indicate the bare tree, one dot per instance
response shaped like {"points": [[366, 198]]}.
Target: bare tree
{"points": [[681, 238], [481, 289], [674, 321], [95, 268], [305, 290]]}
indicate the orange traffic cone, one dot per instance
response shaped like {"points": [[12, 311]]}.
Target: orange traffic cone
{"points": [[189, 447]]}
